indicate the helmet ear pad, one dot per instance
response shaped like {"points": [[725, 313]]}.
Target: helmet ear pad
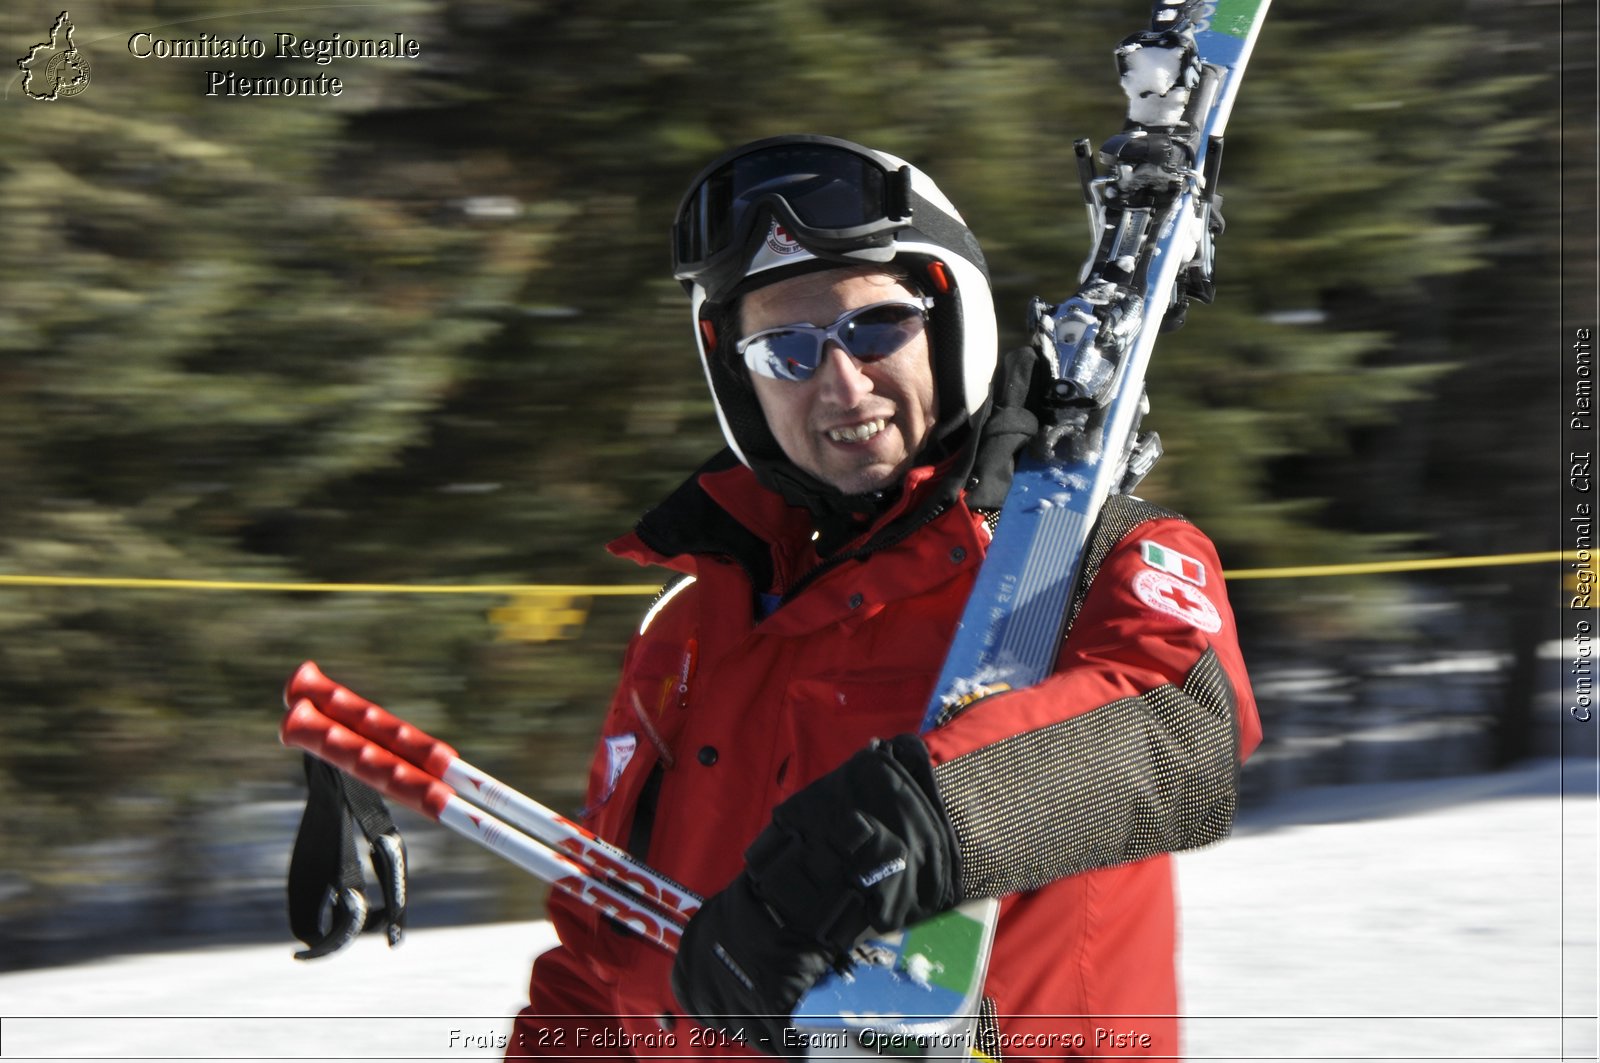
{"points": [[947, 349], [737, 406]]}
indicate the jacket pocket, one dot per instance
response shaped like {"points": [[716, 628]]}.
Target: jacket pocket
{"points": [[829, 718]]}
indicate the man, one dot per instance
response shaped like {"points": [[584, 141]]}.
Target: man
{"points": [[762, 744]]}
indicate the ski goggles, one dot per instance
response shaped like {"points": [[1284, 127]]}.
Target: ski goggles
{"points": [[829, 194], [869, 334]]}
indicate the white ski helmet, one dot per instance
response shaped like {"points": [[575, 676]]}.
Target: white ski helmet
{"points": [[787, 205]]}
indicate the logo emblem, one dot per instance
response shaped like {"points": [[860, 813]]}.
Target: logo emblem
{"points": [[55, 69], [619, 751], [1166, 559], [779, 242], [1167, 594]]}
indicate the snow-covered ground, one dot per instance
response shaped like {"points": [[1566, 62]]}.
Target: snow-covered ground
{"points": [[1451, 919], [1443, 920]]}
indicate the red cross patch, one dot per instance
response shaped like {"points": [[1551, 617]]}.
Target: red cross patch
{"points": [[780, 241], [1167, 594]]}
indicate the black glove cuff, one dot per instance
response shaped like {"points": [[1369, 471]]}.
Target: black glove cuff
{"points": [[910, 754]]}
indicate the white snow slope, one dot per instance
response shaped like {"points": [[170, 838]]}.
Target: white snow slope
{"points": [[1451, 919]]}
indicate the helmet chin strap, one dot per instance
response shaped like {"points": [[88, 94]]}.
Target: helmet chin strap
{"points": [[839, 516]]}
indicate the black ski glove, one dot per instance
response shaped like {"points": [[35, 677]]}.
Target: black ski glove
{"points": [[865, 846]]}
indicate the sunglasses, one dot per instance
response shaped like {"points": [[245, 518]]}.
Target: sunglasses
{"points": [[869, 333]]}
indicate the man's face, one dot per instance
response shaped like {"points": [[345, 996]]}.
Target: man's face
{"points": [[855, 426]]}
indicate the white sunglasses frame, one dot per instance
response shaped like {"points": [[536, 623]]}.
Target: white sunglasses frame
{"points": [[829, 334]]}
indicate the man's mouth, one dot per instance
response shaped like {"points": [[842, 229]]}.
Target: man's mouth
{"points": [[858, 433]]}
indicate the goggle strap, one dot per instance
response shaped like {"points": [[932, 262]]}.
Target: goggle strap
{"points": [[698, 260], [898, 194]]}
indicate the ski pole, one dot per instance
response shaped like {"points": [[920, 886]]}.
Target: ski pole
{"points": [[305, 727], [630, 893], [439, 760]]}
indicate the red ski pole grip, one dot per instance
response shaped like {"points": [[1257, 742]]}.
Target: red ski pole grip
{"points": [[306, 728], [363, 717]]}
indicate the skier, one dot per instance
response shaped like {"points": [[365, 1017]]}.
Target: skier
{"points": [[761, 747]]}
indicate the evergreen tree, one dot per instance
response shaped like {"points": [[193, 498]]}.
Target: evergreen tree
{"points": [[423, 332]]}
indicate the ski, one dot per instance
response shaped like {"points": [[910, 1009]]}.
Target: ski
{"points": [[1152, 214]]}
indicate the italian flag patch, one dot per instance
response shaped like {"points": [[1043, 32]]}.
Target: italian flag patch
{"points": [[1165, 559]]}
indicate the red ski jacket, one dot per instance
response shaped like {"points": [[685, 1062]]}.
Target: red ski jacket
{"points": [[1066, 797]]}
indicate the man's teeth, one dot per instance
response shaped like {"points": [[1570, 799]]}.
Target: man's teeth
{"points": [[857, 433]]}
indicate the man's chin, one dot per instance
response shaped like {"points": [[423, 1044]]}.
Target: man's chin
{"points": [[864, 480]]}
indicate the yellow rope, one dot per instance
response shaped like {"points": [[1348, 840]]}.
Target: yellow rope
{"points": [[574, 589], [1418, 565], [544, 612]]}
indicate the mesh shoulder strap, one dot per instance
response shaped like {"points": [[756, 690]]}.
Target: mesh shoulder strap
{"points": [[1119, 516]]}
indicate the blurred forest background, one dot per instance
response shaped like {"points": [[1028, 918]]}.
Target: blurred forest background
{"points": [[425, 333]]}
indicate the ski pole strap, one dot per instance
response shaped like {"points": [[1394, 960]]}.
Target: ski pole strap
{"points": [[327, 905]]}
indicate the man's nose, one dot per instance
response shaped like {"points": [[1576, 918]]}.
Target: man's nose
{"points": [[840, 378]]}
